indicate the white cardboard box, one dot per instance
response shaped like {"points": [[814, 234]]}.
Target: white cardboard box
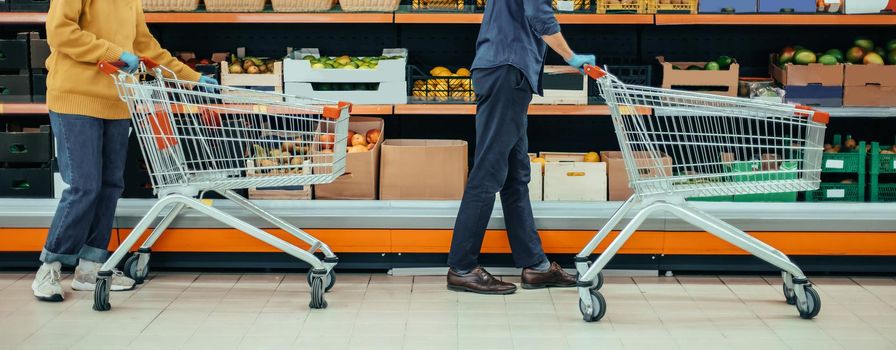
{"points": [[563, 85], [568, 178], [536, 180], [298, 70], [857, 6], [387, 93]]}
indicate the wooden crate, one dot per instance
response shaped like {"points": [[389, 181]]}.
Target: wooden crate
{"points": [[300, 192], [268, 82]]}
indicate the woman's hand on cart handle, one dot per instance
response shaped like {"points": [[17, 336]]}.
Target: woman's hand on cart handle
{"points": [[594, 71], [208, 84], [115, 66], [818, 116]]}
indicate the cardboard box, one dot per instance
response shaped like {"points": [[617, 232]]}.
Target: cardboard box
{"points": [[300, 71], [720, 82], [536, 180], [857, 6], [787, 6], [361, 177], [804, 75], [617, 177], [815, 95], [567, 177], [563, 85], [869, 74], [423, 169], [869, 96], [728, 6]]}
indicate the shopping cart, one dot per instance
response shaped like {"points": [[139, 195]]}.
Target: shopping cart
{"points": [[708, 137], [197, 138]]}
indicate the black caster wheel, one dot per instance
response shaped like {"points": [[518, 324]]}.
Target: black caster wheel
{"points": [[101, 295], [317, 293], [789, 295], [598, 309], [598, 281], [329, 279], [813, 304], [132, 269]]}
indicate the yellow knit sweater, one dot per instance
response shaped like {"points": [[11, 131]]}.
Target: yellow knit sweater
{"points": [[84, 32]]}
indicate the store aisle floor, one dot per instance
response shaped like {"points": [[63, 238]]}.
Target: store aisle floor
{"points": [[375, 311]]}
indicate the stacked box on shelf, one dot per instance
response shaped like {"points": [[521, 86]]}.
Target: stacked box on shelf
{"points": [[569, 177], [629, 6], [385, 84], [814, 84], [619, 185], [15, 80], [857, 7], [563, 85], [423, 169], [29, 5], [844, 161], [26, 156], [869, 85], [673, 6], [676, 75], [728, 6], [268, 82], [362, 168], [882, 163], [440, 85], [787, 6], [440, 5], [39, 50], [568, 6]]}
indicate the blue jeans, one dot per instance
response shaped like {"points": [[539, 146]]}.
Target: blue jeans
{"points": [[91, 157], [500, 163]]}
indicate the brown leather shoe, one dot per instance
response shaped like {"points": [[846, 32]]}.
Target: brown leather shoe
{"points": [[478, 281], [554, 277]]}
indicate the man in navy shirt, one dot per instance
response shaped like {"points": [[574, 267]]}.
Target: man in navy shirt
{"points": [[507, 70]]}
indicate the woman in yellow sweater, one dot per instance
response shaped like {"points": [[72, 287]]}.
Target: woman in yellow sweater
{"points": [[91, 126]]}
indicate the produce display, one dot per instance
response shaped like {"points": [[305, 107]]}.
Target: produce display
{"points": [[863, 51], [273, 160], [849, 145], [443, 85], [721, 63], [250, 65], [362, 142], [347, 62]]}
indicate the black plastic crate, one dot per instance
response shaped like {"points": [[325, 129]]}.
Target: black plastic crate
{"points": [[40, 50], [424, 87], [15, 88], [26, 182], [38, 86], [633, 74], [14, 54], [29, 5], [27, 147], [4, 5]]}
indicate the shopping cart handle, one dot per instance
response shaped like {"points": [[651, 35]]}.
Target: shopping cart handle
{"points": [[817, 115], [594, 72], [114, 66], [333, 112]]}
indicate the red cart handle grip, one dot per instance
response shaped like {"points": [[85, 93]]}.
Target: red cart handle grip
{"points": [[114, 66], [594, 72], [333, 112], [817, 115]]}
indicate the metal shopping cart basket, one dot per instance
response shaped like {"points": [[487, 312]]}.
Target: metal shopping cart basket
{"points": [[704, 135], [197, 138]]}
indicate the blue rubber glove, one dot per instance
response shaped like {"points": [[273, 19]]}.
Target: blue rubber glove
{"points": [[579, 61], [131, 62], [210, 81]]}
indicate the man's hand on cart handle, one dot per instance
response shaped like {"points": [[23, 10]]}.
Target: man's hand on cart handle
{"points": [[594, 71], [580, 61]]}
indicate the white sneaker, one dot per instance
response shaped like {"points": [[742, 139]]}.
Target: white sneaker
{"points": [[85, 277], [46, 285]]}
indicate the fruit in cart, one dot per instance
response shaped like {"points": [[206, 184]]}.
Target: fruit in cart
{"points": [[873, 58], [855, 55], [326, 151], [804, 57], [828, 60], [327, 141], [865, 43], [359, 140], [373, 135], [592, 157]]}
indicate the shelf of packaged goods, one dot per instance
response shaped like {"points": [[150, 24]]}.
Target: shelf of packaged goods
{"points": [[776, 19], [475, 18], [269, 17], [461, 109]]}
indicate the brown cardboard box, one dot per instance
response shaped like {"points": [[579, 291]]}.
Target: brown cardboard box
{"points": [[617, 177], [423, 169], [360, 180], [805, 75], [869, 85], [724, 80], [869, 74]]}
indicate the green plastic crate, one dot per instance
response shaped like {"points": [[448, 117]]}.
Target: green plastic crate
{"points": [[747, 166], [881, 163], [838, 192], [883, 193], [844, 162]]}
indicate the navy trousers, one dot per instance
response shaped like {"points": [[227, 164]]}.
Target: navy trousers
{"points": [[501, 163]]}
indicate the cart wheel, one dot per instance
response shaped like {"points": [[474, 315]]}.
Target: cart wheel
{"points": [[330, 280], [813, 304], [597, 282], [789, 295], [133, 269], [317, 293], [101, 295], [598, 307]]}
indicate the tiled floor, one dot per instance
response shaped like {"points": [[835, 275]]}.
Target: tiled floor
{"points": [[270, 311]]}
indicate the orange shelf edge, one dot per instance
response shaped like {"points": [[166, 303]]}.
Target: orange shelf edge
{"points": [[459, 109], [269, 17], [476, 18], [438, 241], [774, 19], [40, 108]]}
